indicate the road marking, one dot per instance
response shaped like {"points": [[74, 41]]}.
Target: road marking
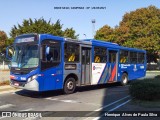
{"points": [[97, 118], [6, 106], [70, 101], [32, 118], [50, 98], [26, 110], [119, 105], [108, 105], [67, 101]]}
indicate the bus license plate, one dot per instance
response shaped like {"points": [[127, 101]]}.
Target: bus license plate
{"points": [[16, 84]]}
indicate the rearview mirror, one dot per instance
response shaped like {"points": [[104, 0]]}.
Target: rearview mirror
{"points": [[9, 52]]}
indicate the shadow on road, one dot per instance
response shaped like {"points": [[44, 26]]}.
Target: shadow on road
{"points": [[34, 94]]}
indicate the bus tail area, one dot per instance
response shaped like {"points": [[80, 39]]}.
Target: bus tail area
{"points": [[42, 62]]}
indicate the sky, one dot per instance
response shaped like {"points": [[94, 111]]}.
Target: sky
{"points": [[13, 12]]}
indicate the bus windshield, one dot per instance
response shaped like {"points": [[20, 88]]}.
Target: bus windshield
{"points": [[25, 56]]}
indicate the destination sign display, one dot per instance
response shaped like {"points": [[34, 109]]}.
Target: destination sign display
{"points": [[25, 39]]}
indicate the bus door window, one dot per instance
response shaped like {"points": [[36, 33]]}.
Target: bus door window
{"points": [[86, 56], [112, 56]]}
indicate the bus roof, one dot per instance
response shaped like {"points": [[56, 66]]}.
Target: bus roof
{"points": [[93, 42], [112, 45]]}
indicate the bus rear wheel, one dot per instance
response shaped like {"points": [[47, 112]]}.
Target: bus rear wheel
{"points": [[124, 79], [69, 86]]}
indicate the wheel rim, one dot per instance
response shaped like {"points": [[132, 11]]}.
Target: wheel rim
{"points": [[70, 85]]}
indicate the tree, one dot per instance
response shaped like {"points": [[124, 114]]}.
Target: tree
{"points": [[143, 30], [3, 41], [139, 29], [69, 32], [105, 33], [39, 26]]}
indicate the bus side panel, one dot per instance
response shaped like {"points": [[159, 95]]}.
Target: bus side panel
{"points": [[141, 69], [134, 71], [52, 79]]}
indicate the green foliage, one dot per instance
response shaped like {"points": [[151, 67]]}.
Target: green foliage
{"points": [[145, 89], [105, 33], [40, 26], [3, 41], [138, 29], [70, 33], [37, 26]]}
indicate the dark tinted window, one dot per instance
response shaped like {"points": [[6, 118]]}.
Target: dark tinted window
{"points": [[124, 56], [100, 55], [71, 52], [133, 57], [50, 54], [141, 57], [112, 56]]}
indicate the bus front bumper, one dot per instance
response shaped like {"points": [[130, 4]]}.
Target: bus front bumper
{"points": [[32, 85]]}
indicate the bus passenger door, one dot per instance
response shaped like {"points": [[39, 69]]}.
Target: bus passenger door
{"points": [[86, 66], [113, 65]]}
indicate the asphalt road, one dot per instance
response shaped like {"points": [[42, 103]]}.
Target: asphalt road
{"points": [[92, 100], [85, 99]]}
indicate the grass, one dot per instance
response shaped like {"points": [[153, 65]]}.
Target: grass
{"points": [[4, 83]]}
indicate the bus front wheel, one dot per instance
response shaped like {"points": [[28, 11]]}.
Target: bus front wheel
{"points": [[69, 86], [124, 79]]}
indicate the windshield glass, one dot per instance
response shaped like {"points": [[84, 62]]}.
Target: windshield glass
{"points": [[25, 56]]}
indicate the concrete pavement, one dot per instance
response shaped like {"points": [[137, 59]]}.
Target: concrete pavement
{"points": [[7, 89]]}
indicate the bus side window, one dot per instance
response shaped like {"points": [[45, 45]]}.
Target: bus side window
{"points": [[50, 54], [141, 58], [71, 58], [71, 52], [124, 55], [100, 54], [133, 57], [97, 59]]}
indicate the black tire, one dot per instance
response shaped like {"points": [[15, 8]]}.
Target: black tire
{"points": [[69, 86], [124, 79]]}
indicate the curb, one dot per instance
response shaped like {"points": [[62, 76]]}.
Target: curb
{"points": [[7, 89]]}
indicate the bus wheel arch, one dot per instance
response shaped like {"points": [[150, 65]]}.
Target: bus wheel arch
{"points": [[124, 79], [70, 84]]}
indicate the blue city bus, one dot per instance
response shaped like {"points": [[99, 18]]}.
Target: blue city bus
{"points": [[43, 62]]}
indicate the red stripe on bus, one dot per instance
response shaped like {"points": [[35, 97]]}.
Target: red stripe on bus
{"points": [[113, 74]]}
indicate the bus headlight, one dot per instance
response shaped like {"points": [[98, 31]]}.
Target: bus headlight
{"points": [[32, 78]]}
